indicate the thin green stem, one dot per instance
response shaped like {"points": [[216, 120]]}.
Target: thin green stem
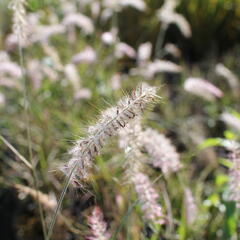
{"points": [[159, 42], [65, 187], [29, 140], [124, 218], [14, 150]]}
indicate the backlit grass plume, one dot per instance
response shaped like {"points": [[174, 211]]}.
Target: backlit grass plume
{"points": [[234, 175], [110, 121], [47, 200], [130, 140], [161, 151], [148, 197], [191, 210], [98, 226], [19, 19]]}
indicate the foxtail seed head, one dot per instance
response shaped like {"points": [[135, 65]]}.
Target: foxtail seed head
{"points": [[110, 121]]}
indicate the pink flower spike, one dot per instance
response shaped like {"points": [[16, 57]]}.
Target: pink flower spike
{"points": [[98, 226], [202, 88]]}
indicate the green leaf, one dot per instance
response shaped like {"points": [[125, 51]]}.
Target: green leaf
{"points": [[214, 199], [210, 142], [230, 221], [229, 135], [35, 5], [214, 142], [221, 179], [236, 114], [225, 162]]}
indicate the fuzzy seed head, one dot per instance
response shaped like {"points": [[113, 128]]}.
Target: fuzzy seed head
{"points": [[130, 140], [98, 226], [232, 79], [148, 198], [108, 125], [191, 210], [234, 175], [162, 153], [202, 88], [231, 120], [19, 19]]}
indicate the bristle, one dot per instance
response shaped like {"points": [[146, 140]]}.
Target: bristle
{"points": [[130, 140], [234, 175], [191, 210], [19, 19], [162, 153], [148, 198], [202, 88], [110, 121], [97, 226]]}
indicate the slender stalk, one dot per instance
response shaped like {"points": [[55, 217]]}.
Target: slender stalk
{"points": [[26, 110], [14, 150], [159, 42], [237, 228], [124, 218], [169, 207], [65, 187]]}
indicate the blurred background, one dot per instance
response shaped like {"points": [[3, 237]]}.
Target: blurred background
{"points": [[69, 59]]}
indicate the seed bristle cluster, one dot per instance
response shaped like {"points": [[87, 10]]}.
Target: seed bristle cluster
{"points": [[162, 153], [130, 140], [234, 174], [19, 19], [191, 210], [148, 197], [97, 225], [110, 121]]}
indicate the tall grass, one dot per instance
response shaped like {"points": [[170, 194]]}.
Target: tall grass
{"points": [[114, 159]]}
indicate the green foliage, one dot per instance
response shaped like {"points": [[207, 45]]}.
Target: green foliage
{"points": [[57, 119], [214, 26]]}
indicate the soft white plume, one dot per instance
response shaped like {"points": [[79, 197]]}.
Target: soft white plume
{"points": [[110, 121], [79, 20], [167, 15], [98, 226], [20, 27], [232, 79], [231, 120], [234, 176], [202, 88], [191, 210], [162, 153], [87, 55]]}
